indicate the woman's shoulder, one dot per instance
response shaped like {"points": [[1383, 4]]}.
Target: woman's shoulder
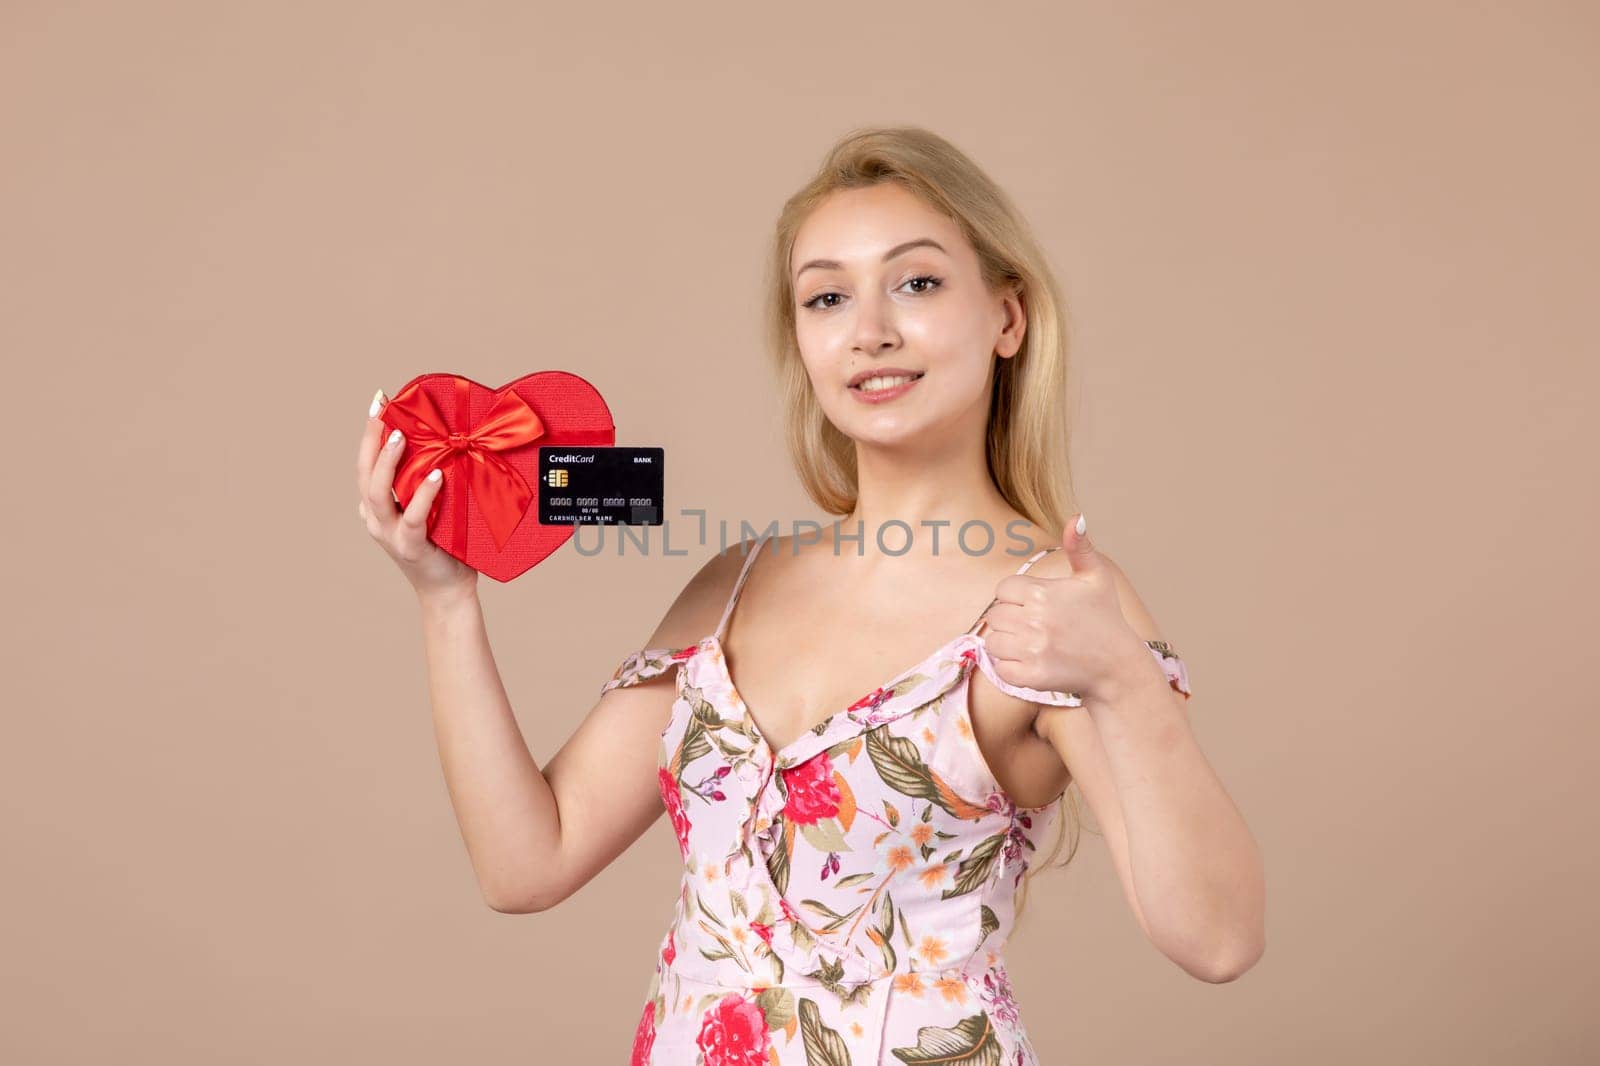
{"points": [[690, 618], [694, 612]]}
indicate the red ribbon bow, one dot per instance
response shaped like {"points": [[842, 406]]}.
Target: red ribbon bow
{"points": [[503, 494]]}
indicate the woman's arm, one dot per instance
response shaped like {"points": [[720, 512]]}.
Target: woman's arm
{"points": [[536, 836], [1188, 863]]}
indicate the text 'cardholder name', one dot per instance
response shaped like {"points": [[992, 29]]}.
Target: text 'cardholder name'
{"points": [[601, 486]]}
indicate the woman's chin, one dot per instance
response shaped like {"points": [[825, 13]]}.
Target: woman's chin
{"points": [[886, 431]]}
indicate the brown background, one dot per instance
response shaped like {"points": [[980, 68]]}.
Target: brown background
{"points": [[1327, 268]]}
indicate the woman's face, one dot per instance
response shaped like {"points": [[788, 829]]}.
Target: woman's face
{"points": [[886, 286]]}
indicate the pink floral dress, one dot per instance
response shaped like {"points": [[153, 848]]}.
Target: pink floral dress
{"points": [[845, 900]]}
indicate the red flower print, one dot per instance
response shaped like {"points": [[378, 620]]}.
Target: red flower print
{"points": [[871, 699], [674, 801], [763, 931], [644, 1036], [684, 653], [788, 912], [733, 1033], [813, 793], [969, 658], [669, 952]]}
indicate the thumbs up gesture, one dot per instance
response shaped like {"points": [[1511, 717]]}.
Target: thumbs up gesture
{"points": [[1066, 633]]}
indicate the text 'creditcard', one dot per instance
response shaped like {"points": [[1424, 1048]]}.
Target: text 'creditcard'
{"points": [[600, 486]]}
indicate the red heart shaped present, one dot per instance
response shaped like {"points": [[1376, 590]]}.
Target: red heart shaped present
{"points": [[487, 441]]}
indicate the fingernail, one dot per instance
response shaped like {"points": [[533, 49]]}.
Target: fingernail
{"points": [[394, 438], [434, 474], [377, 404], [1082, 525]]}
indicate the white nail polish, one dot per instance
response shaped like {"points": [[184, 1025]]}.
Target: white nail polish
{"points": [[1082, 525], [377, 404], [434, 475], [394, 438]]}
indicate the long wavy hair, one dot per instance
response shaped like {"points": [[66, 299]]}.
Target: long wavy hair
{"points": [[1028, 435]]}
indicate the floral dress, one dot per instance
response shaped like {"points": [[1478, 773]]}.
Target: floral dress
{"points": [[845, 900]]}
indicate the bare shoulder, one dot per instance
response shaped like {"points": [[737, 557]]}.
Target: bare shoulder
{"points": [[694, 613]]}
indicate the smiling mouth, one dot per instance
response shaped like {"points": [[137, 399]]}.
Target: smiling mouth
{"points": [[892, 381]]}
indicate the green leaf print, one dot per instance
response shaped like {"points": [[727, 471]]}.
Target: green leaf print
{"points": [[825, 835], [834, 918], [778, 861], [695, 744], [703, 717], [899, 763], [885, 945], [732, 751], [726, 947], [972, 1043], [707, 911], [987, 924], [824, 1046], [854, 879], [974, 869], [702, 711], [829, 974], [858, 994], [777, 1006], [883, 933]]}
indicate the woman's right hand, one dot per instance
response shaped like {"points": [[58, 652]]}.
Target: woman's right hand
{"points": [[404, 533]]}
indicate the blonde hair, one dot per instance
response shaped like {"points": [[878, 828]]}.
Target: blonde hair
{"points": [[1027, 439]]}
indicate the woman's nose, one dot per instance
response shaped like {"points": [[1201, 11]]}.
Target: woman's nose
{"points": [[874, 325]]}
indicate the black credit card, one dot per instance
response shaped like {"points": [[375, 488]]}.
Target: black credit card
{"points": [[600, 486]]}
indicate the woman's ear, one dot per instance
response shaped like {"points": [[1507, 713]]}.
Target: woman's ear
{"points": [[1016, 324]]}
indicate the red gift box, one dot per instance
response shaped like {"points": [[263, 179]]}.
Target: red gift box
{"points": [[486, 441]]}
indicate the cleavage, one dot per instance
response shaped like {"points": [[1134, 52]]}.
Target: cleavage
{"points": [[796, 725]]}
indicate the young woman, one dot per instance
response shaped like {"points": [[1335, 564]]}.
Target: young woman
{"points": [[854, 841]]}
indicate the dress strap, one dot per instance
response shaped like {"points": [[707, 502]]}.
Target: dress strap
{"points": [[744, 572], [1023, 569]]}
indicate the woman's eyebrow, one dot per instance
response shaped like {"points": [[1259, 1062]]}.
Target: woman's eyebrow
{"points": [[899, 249]]}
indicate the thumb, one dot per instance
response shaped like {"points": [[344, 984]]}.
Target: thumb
{"points": [[1076, 546]]}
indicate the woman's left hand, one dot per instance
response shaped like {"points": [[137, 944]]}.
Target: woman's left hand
{"points": [[1066, 634]]}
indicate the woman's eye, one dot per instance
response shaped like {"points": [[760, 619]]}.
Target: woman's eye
{"points": [[819, 296], [932, 283]]}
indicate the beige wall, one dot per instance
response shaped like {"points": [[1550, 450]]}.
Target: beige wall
{"points": [[1328, 267]]}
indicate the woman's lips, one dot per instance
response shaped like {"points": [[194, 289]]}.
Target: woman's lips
{"points": [[885, 395]]}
